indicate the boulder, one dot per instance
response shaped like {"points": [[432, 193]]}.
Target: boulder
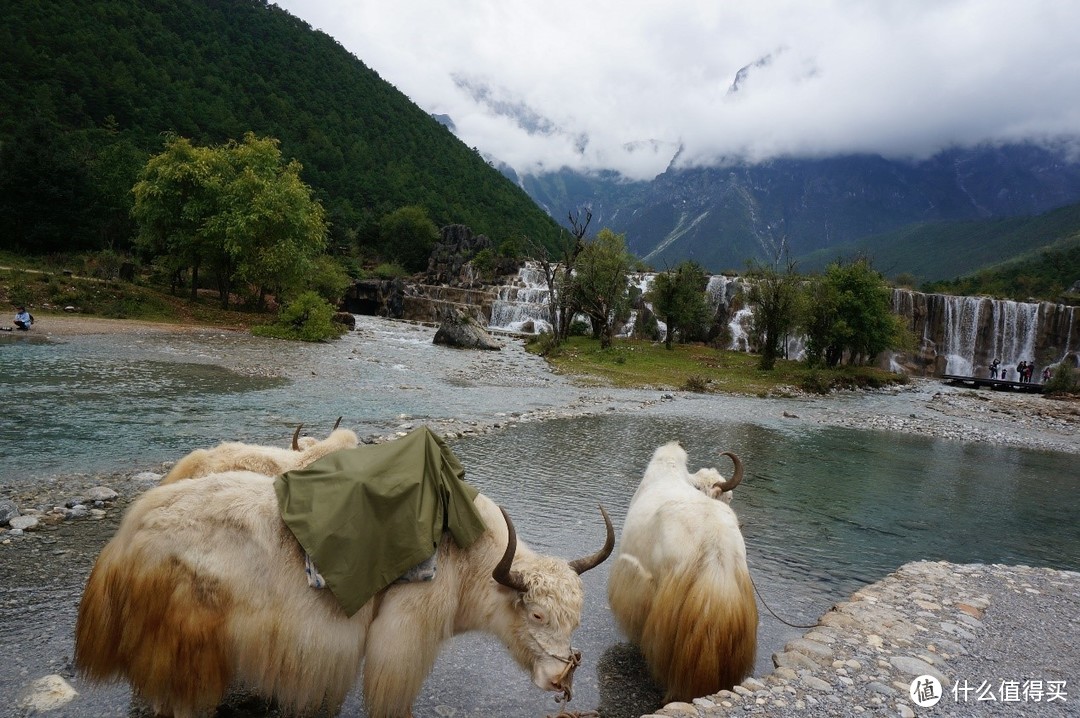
{"points": [[463, 332], [346, 318]]}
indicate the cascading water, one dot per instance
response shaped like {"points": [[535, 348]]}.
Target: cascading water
{"points": [[962, 326], [1015, 325], [738, 326], [523, 306], [957, 335], [963, 336]]}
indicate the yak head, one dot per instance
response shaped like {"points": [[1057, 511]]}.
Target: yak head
{"points": [[712, 482], [547, 602]]}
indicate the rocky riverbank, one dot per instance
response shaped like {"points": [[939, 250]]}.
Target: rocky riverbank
{"points": [[996, 639], [1003, 418]]}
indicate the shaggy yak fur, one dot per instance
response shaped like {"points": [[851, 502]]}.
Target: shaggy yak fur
{"points": [[267, 460], [680, 587], [203, 587]]}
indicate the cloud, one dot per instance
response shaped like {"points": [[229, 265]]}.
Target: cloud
{"points": [[628, 84]]}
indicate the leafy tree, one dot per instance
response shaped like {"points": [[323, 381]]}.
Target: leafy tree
{"points": [[775, 297], [600, 281], [679, 297], [407, 236], [848, 313], [236, 208], [271, 226], [329, 279], [178, 190]]}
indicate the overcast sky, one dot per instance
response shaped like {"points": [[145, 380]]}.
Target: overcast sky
{"points": [[623, 84]]}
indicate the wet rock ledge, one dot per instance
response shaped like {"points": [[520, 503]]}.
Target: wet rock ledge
{"points": [[1005, 633]]}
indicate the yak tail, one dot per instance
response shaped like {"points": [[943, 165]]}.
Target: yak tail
{"points": [[700, 636], [630, 594], [160, 626]]}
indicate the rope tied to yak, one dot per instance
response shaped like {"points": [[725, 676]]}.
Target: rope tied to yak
{"points": [[564, 679]]}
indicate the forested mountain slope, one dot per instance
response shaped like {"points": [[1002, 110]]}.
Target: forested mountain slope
{"points": [[1043, 246], [89, 89]]}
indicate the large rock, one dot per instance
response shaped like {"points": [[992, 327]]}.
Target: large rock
{"points": [[449, 262], [458, 330]]}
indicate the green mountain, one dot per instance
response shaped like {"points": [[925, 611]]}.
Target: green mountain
{"points": [[938, 251], [1049, 274], [89, 89]]}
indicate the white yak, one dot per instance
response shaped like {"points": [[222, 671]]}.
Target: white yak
{"points": [[203, 587], [680, 588], [266, 460]]}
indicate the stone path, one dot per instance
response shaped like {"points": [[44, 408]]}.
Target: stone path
{"points": [[1000, 640]]}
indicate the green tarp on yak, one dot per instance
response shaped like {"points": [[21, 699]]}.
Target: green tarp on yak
{"points": [[367, 515]]}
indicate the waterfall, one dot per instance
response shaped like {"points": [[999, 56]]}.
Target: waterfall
{"points": [[955, 335], [522, 306], [962, 327], [739, 324], [964, 335], [1015, 325]]}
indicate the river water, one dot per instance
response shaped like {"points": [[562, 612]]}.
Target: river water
{"points": [[824, 509]]}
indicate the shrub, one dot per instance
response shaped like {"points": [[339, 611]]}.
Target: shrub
{"points": [[580, 328], [307, 318], [816, 382], [696, 383], [389, 270], [545, 344], [1064, 380]]}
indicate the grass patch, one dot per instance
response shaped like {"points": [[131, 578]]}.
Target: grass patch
{"points": [[46, 289], [637, 364]]}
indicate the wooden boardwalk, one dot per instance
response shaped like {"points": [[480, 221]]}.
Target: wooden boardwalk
{"points": [[979, 382]]}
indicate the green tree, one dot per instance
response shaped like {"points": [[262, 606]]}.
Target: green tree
{"points": [[177, 191], [849, 312], [678, 296], [271, 226], [775, 297], [600, 281], [407, 236], [238, 209]]}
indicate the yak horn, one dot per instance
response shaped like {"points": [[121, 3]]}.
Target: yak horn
{"points": [[296, 437], [736, 477], [336, 424], [502, 572], [581, 565]]}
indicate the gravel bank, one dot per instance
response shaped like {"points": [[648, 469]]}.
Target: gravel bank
{"points": [[999, 639]]}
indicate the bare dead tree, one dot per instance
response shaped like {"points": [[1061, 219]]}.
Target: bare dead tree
{"points": [[557, 266]]}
